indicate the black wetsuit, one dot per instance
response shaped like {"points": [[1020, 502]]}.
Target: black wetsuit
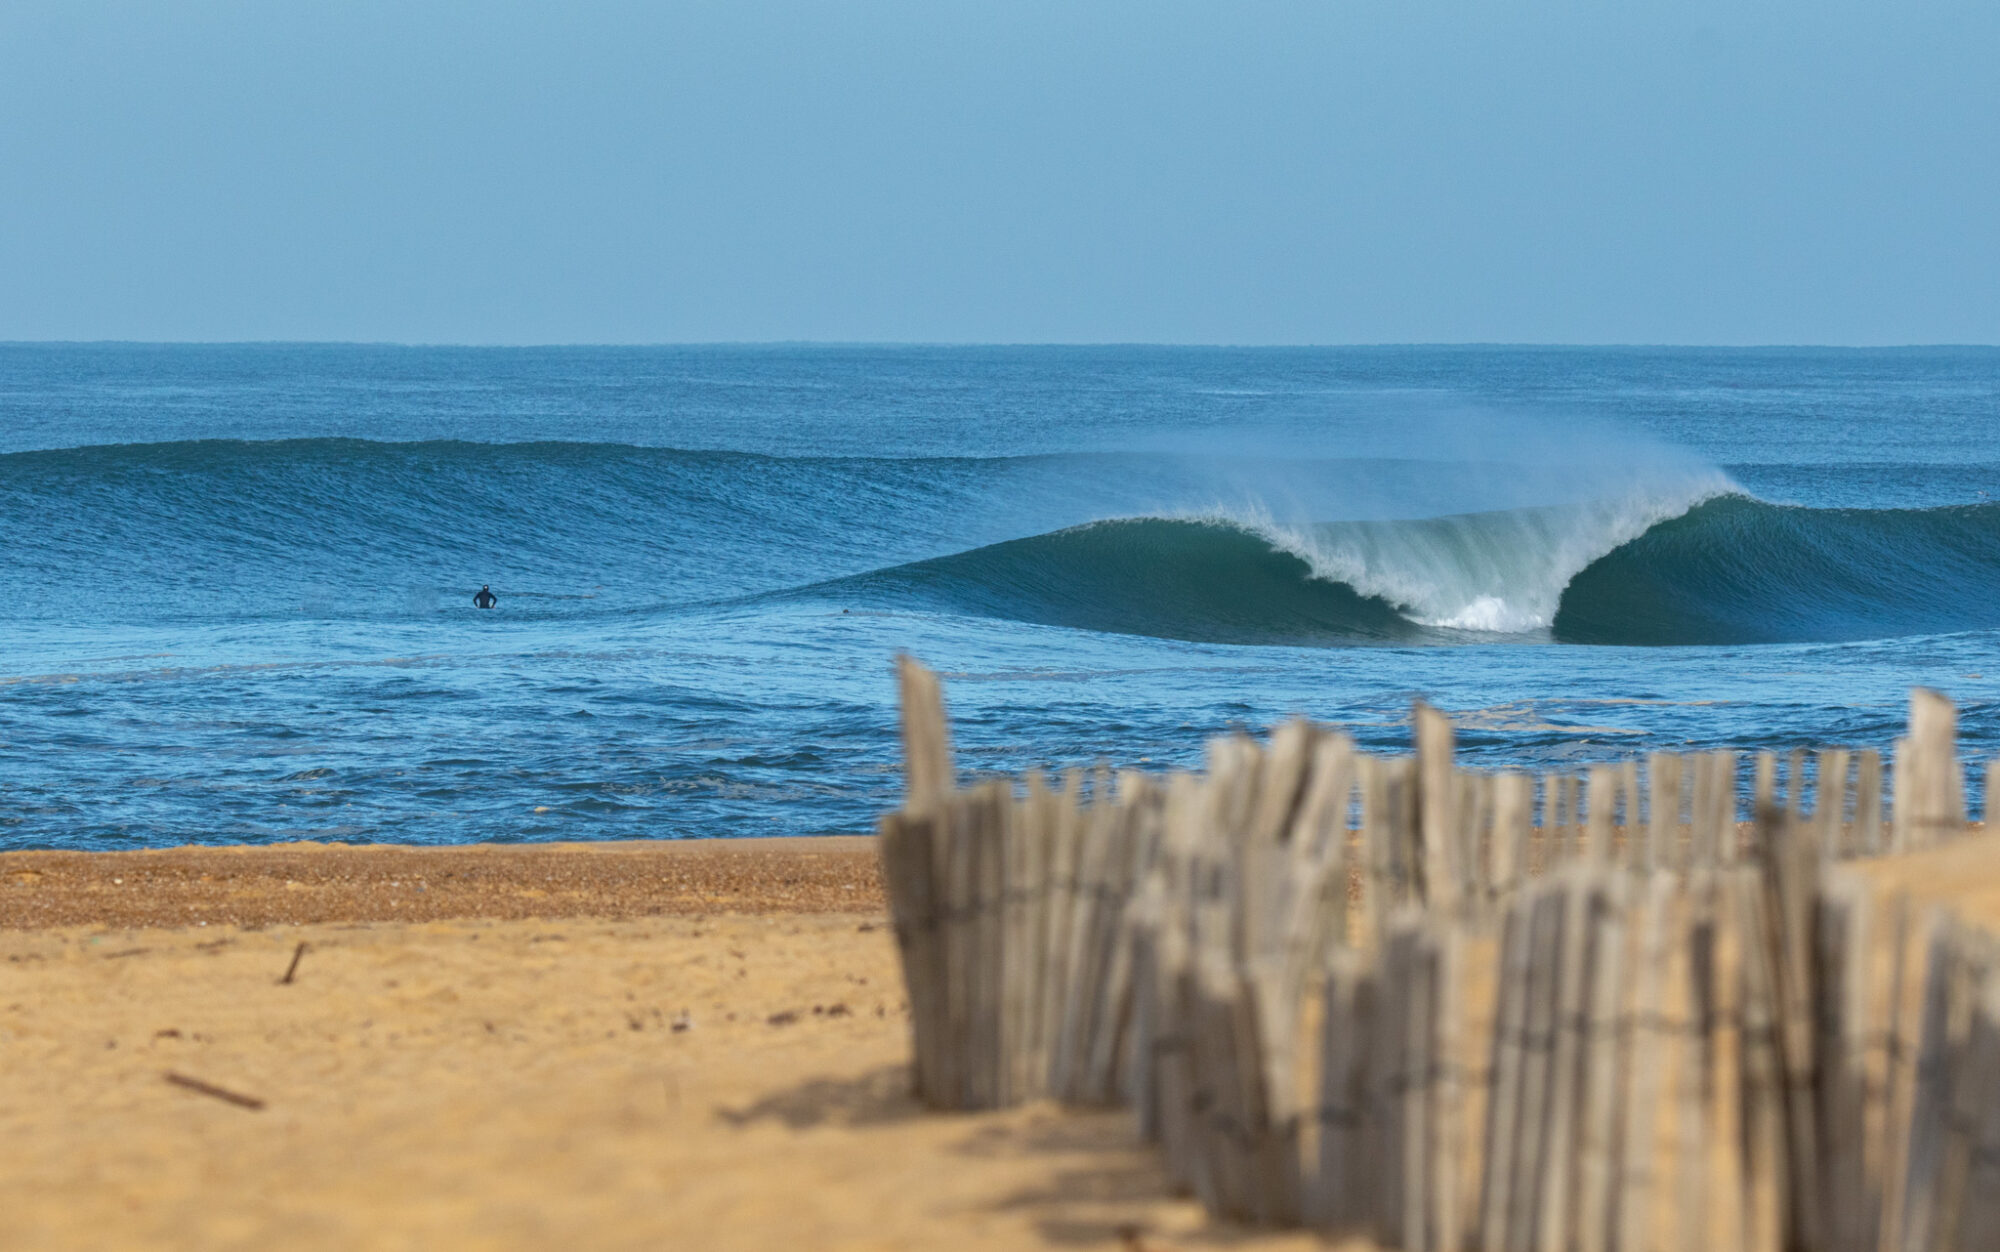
{"points": [[485, 599]]}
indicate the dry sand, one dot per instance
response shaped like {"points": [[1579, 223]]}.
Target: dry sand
{"points": [[507, 1073]]}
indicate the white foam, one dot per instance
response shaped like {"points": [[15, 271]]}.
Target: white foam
{"points": [[1496, 573]]}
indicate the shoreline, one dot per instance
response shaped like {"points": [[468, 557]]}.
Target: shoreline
{"points": [[257, 885]]}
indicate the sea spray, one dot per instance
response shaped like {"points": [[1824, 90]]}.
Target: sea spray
{"points": [[1722, 569], [1498, 572]]}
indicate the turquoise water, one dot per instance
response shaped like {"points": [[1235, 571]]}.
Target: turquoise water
{"points": [[235, 582]]}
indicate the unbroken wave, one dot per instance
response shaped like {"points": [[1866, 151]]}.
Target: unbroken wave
{"points": [[328, 527]]}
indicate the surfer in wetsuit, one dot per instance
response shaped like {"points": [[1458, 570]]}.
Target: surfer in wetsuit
{"points": [[485, 599]]}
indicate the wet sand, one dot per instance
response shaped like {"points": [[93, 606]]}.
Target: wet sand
{"points": [[301, 883]]}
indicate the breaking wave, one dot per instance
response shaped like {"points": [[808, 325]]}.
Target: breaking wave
{"points": [[1669, 554], [1722, 569]]}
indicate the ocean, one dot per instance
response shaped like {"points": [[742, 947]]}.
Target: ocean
{"points": [[236, 581]]}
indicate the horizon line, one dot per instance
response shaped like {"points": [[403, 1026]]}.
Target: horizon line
{"points": [[997, 343]]}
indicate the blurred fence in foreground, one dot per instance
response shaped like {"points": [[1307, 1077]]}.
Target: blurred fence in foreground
{"points": [[1455, 1010]]}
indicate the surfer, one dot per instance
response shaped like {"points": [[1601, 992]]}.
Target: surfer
{"points": [[485, 599]]}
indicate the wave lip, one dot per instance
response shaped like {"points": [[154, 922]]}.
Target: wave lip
{"points": [[1500, 572], [1728, 569], [1220, 577]]}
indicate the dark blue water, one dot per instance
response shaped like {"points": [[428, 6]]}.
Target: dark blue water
{"points": [[235, 582]]}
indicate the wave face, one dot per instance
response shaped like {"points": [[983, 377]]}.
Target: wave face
{"points": [[230, 529], [1211, 582], [1736, 571], [329, 528], [1730, 570]]}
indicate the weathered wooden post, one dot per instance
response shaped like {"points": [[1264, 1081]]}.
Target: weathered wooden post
{"points": [[1868, 802], [1601, 804], [1508, 1059], [1513, 824], [1438, 874], [1642, 1063], [1599, 1091], [1829, 819], [1697, 1072], [1841, 1011], [1930, 785], [928, 770], [1662, 848], [1915, 1226], [1552, 837]]}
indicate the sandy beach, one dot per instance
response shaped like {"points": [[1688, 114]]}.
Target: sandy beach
{"points": [[680, 1045], [299, 883], [671, 1045]]}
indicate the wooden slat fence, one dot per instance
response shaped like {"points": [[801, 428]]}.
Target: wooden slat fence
{"points": [[1460, 1011]]}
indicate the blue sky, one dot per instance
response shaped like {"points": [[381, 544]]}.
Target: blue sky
{"points": [[1345, 171]]}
